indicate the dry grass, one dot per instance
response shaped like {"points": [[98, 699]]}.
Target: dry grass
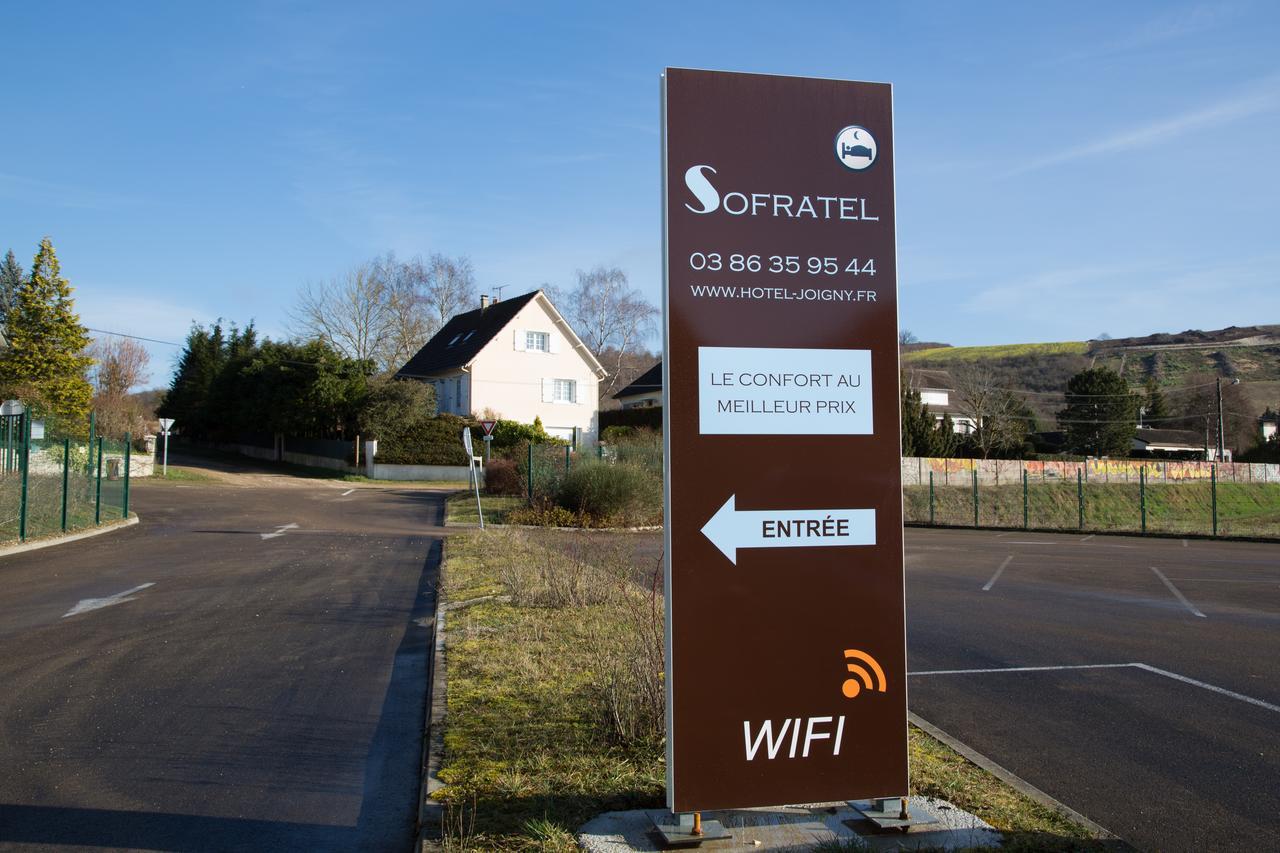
{"points": [[555, 700]]}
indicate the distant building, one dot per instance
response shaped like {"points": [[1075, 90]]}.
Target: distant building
{"points": [[645, 392], [939, 402], [1174, 443], [518, 358], [1269, 424]]}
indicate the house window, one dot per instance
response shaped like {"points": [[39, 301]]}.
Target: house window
{"points": [[540, 341], [565, 391]]}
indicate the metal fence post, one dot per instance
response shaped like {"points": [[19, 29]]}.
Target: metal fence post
{"points": [[599, 451], [66, 482], [975, 496], [1142, 495], [930, 497], [529, 472], [24, 448], [93, 439], [124, 508], [1080, 496], [567, 450], [1026, 513], [97, 501], [1213, 484]]}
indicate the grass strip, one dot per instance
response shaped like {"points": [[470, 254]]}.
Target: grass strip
{"points": [[555, 701]]}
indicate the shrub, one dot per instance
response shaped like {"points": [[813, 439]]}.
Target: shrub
{"points": [[543, 514], [502, 478], [429, 441], [611, 493]]}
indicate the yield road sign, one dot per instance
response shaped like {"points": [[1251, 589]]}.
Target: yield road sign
{"points": [[488, 427]]}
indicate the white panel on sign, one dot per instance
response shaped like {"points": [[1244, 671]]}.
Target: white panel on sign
{"points": [[758, 391], [466, 442]]}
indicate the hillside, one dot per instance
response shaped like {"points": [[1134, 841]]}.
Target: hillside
{"points": [[1250, 354]]}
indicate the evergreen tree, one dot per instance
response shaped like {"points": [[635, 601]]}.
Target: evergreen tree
{"points": [[10, 280], [187, 400], [45, 362], [1155, 410], [1100, 417]]}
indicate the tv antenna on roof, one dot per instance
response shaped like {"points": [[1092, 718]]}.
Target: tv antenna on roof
{"points": [[498, 298]]}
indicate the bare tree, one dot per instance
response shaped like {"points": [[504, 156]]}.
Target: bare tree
{"points": [[410, 322], [449, 286], [611, 318], [349, 313], [907, 337], [120, 364], [1000, 419]]}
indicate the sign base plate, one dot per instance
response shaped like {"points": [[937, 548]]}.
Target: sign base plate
{"points": [[677, 830], [887, 813]]}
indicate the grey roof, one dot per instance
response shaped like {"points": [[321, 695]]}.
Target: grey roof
{"points": [[1170, 437], [645, 383]]}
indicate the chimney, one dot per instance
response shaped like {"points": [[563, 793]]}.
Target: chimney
{"points": [[484, 301]]}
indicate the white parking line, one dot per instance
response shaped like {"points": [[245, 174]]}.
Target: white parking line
{"points": [[1021, 669], [1029, 542], [1184, 543], [280, 531], [347, 492], [1087, 538], [1227, 580], [996, 576], [1178, 593], [1142, 666], [87, 604]]}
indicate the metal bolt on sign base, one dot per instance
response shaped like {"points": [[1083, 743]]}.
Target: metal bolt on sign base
{"points": [[892, 813], [687, 829]]}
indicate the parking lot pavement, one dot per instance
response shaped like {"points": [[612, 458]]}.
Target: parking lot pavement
{"points": [[1133, 679], [244, 669]]}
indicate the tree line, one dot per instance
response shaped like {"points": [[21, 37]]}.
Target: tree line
{"points": [[1101, 416]]}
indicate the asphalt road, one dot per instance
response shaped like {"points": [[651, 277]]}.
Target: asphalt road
{"points": [[1180, 753], [248, 693]]}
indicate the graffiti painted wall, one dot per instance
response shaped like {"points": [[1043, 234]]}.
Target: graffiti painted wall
{"points": [[956, 472]]}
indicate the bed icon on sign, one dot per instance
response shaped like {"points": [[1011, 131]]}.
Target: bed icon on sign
{"points": [[855, 148]]}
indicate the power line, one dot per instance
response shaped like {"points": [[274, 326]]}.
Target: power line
{"points": [[134, 337]]}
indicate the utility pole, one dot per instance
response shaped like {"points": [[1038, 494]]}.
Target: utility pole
{"points": [[1218, 382], [1222, 453]]}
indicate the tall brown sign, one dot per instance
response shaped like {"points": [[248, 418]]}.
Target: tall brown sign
{"points": [[786, 654]]}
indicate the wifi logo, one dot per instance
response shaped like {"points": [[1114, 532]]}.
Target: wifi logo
{"points": [[861, 677]]}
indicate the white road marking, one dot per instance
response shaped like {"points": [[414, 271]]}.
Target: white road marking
{"points": [[1177, 593], [347, 492], [1087, 538], [996, 576], [1029, 542], [87, 604], [280, 531], [1184, 543], [1234, 695], [1145, 667], [1022, 669]]}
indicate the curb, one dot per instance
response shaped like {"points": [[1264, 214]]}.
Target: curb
{"points": [[1011, 779], [70, 537], [431, 812]]}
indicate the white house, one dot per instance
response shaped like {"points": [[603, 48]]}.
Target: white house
{"points": [[517, 358], [939, 402]]}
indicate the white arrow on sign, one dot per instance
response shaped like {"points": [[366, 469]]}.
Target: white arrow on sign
{"points": [[730, 529]]}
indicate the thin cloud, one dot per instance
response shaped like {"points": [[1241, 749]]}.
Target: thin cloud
{"points": [[1165, 27], [1264, 98]]}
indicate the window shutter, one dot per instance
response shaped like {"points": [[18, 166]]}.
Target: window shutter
{"points": [[554, 342], [548, 390], [573, 390], [520, 340]]}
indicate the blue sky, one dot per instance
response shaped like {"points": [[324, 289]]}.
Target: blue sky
{"points": [[1063, 170]]}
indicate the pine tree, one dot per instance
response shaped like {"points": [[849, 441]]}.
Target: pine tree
{"points": [[1155, 412], [45, 362], [10, 280], [1100, 418]]}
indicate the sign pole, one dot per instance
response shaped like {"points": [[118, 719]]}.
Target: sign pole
{"points": [[780, 319], [471, 468]]}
